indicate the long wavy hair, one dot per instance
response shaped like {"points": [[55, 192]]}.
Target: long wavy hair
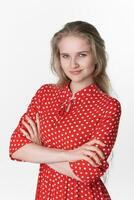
{"points": [[90, 33]]}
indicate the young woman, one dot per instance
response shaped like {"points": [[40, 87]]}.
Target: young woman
{"points": [[70, 127]]}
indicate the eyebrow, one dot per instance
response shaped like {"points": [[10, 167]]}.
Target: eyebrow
{"points": [[77, 52]]}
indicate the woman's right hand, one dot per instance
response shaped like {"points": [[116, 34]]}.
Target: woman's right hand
{"points": [[88, 152], [33, 129]]}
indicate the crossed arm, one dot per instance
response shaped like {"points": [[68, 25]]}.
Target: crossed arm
{"points": [[57, 159], [84, 163]]}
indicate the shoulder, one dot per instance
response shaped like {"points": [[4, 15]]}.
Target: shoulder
{"points": [[111, 104], [47, 88]]}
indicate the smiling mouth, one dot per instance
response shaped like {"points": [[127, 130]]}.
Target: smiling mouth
{"points": [[75, 72]]}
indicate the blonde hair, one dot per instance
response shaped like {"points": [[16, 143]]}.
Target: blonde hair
{"points": [[89, 32]]}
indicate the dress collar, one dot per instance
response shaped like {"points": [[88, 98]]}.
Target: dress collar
{"points": [[69, 100], [86, 91]]}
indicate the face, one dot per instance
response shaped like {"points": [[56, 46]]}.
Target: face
{"points": [[76, 59]]}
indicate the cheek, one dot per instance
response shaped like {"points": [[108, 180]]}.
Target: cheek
{"points": [[64, 63], [91, 67]]}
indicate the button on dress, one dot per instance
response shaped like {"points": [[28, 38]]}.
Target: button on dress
{"points": [[67, 122]]}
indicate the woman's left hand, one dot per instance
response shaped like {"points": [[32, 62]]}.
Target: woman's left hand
{"points": [[33, 129]]}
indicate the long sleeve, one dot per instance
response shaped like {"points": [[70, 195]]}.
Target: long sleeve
{"points": [[18, 140], [106, 131]]}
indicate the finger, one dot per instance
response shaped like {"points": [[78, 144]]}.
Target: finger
{"points": [[25, 134], [38, 122], [33, 125], [92, 155], [95, 141], [97, 150], [88, 159], [95, 157], [38, 126], [28, 127]]}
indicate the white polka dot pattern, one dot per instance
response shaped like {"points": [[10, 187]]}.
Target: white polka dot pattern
{"points": [[67, 123]]}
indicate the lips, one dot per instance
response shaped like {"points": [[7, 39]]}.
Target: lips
{"points": [[77, 71]]}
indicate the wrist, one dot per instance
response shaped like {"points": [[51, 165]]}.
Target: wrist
{"points": [[68, 155]]}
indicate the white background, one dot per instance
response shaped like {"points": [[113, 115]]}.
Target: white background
{"points": [[26, 28]]}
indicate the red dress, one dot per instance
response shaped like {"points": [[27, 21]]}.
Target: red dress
{"points": [[91, 114]]}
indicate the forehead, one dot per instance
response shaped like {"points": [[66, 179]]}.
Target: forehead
{"points": [[73, 43]]}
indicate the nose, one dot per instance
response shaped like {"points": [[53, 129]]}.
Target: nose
{"points": [[74, 63]]}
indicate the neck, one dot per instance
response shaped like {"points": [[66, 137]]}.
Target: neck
{"points": [[76, 86]]}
